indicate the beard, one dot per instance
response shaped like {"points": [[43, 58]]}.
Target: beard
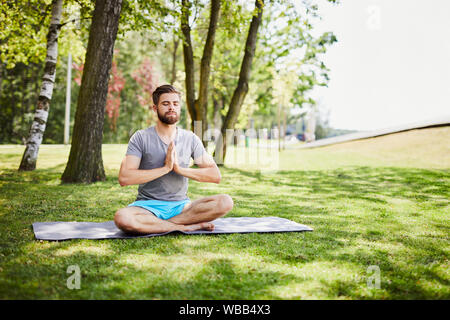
{"points": [[168, 119]]}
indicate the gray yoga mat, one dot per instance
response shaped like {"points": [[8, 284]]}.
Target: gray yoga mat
{"points": [[108, 230]]}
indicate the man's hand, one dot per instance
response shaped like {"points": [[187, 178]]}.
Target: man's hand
{"points": [[176, 166], [170, 157], [207, 171]]}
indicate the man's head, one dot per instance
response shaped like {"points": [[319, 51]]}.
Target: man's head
{"points": [[166, 101]]}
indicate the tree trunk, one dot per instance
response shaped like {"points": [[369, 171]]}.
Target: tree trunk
{"points": [[176, 42], [217, 117], [242, 88], [37, 130], [85, 160], [279, 125], [218, 103], [188, 56], [205, 67]]}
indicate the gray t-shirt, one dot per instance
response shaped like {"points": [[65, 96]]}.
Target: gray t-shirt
{"points": [[147, 145]]}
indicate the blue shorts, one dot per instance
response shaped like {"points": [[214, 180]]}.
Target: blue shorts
{"points": [[162, 209]]}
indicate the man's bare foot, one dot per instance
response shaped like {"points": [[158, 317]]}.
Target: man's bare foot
{"points": [[199, 226]]}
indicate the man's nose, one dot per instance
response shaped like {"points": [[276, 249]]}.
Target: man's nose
{"points": [[172, 106]]}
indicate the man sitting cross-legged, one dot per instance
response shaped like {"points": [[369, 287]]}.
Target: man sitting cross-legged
{"points": [[158, 159]]}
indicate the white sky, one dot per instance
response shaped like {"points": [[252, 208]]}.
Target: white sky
{"points": [[391, 64]]}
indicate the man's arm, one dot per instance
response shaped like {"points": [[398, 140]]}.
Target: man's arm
{"points": [[130, 173], [207, 171]]}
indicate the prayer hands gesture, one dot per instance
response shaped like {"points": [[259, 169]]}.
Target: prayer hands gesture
{"points": [[171, 161]]}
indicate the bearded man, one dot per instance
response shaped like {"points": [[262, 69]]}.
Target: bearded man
{"points": [[158, 159]]}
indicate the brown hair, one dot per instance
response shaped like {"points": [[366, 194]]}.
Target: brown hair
{"points": [[166, 88]]}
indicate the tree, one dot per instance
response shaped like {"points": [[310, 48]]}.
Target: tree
{"points": [[242, 86], [285, 42], [198, 108], [147, 79], [173, 73], [229, 51], [85, 159], [115, 87], [34, 141]]}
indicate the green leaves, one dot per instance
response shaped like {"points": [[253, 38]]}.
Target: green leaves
{"points": [[22, 38], [145, 15], [24, 26]]}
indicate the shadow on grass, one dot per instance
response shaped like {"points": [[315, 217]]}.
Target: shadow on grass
{"points": [[351, 210]]}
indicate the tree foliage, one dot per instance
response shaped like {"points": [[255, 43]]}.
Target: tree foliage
{"points": [[288, 46], [24, 25]]}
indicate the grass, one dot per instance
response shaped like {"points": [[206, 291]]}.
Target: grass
{"points": [[377, 202]]}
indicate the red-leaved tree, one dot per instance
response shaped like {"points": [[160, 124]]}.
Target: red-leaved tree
{"points": [[78, 72], [147, 79], [115, 86]]}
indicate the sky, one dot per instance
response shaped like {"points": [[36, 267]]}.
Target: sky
{"points": [[391, 64]]}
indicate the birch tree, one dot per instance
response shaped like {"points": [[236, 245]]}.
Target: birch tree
{"points": [[34, 141]]}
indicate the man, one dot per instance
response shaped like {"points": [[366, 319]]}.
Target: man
{"points": [[158, 159]]}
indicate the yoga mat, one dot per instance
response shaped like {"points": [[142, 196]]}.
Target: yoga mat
{"points": [[108, 230]]}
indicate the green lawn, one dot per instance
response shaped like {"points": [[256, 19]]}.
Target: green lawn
{"points": [[380, 202]]}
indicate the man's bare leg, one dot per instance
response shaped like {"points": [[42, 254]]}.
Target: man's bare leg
{"points": [[140, 221], [204, 210]]}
